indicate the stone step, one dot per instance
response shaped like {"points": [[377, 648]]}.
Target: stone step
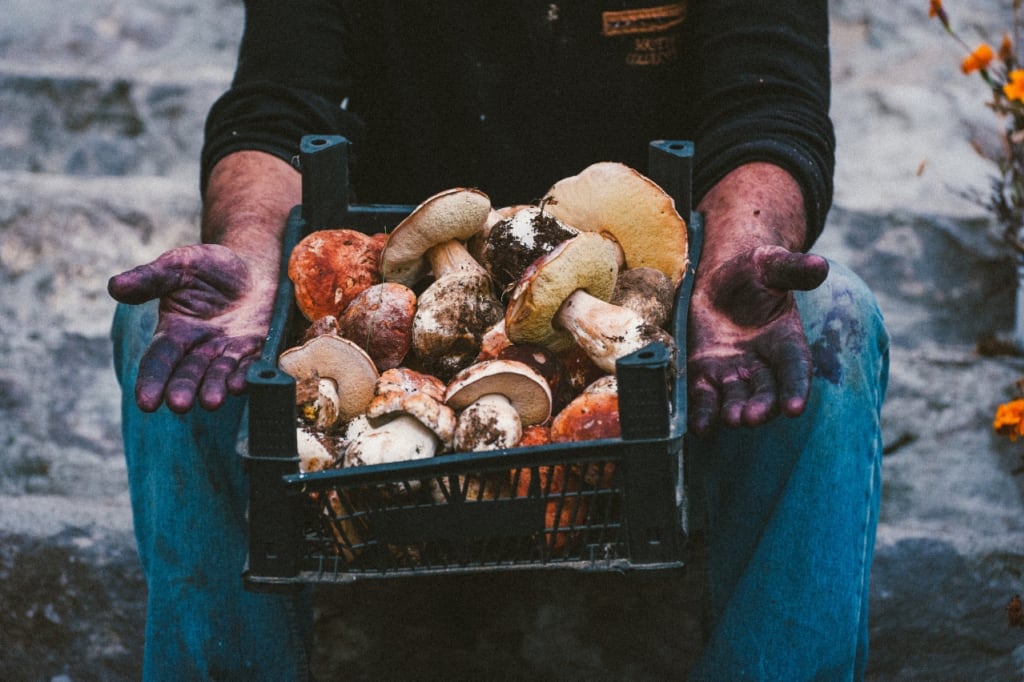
{"points": [[94, 124], [182, 39], [61, 238]]}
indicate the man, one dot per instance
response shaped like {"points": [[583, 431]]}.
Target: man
{"points": [[787, 357]]}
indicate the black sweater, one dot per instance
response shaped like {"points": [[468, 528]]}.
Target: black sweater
{"points": [[511, 96]]}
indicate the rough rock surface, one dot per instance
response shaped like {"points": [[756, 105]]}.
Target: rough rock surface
{"points": [[101, 110]]}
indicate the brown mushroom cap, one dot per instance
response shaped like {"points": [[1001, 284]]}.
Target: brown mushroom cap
{"points": [[587, 261], [525, 388], [332, 357], [592, 415], [453, 214], [614, 199], [330, 267], [548, 365], [379, 319]]}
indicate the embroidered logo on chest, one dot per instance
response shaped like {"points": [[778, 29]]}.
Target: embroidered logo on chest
{"points": [[653, 32]]}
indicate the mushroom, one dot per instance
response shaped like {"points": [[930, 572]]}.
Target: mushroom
{"points": [[565, 508], [314, 454], [409, 420], [493, 341], [475, 244], [494, 400], [613, 199], [515, 242], [330, 267], [592, 415], [454, 215], [647, 292], [459, 305], [328, 324], [606, 331], [548, 365], [453, 314], [537, 434], [379, 319], [580, 369], [562, 297], [321, 367]]}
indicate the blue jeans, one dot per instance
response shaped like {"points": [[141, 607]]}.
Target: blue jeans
{"points": [[189, 495], [790, 511]]}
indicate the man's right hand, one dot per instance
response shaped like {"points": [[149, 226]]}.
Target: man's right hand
{"points": [[217, 297], [213, 319]]}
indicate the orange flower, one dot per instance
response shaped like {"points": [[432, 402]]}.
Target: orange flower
{"points": [[935, 9], [979, 59], [1009, 419], [1014, 90]]}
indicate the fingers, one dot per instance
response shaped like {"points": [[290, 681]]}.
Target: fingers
{"points": [[225, 375], [179, 370], [762, 405], [794, 377], [155, 369], [703, 405], [734, 392]]}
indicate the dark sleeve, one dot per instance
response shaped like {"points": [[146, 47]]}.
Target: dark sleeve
{"points": [[764, 95], [292, 78]]}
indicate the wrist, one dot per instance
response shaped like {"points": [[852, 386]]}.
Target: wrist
{"points": [[245, 208], [756, 204]]}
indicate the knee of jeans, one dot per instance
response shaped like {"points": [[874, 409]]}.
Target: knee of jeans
{"points": [[844, 324]]}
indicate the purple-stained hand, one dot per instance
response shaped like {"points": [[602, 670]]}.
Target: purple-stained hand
{"points": [[748, 358], [213, 319]]}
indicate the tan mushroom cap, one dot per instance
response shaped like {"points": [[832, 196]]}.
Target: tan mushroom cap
{"points": [[453, 214], [613, 198], [588, 261], [525, 388], [332, 357]]}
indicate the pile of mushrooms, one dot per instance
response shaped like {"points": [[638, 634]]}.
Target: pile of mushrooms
{"points": [[470, 328]]}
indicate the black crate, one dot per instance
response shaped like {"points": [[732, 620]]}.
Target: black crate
{"points": [[607, 505]]}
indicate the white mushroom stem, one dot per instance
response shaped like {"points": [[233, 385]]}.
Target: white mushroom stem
{"points": [[324, 410], [402, 438], [454, 312], [605, 331], [490, 423], [452, 258], [313, 454]]}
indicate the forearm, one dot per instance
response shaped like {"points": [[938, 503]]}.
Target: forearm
{"points": [[764, 95], [246, 206], [755, 204]]}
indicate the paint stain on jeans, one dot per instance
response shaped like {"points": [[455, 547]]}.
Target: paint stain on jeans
{"points": [[842, 332]]}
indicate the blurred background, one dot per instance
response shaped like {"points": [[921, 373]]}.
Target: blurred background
{"points": [[101, 113]]}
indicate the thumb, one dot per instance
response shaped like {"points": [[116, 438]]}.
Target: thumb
{"points": [[138, 285], [782, 269]]}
